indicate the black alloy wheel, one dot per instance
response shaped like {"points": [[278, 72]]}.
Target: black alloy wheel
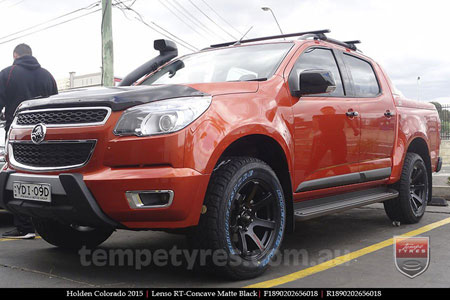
{"points": [[418, 188], [253, 219]]}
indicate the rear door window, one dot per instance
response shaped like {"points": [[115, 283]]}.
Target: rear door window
{"points": [[365, 83]]}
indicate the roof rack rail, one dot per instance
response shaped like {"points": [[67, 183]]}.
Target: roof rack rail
{"points": [[316, 34], [353, 42], [272, 37], [323, 37], [343, 44]]}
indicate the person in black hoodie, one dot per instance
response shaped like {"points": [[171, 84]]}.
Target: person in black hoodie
{"points": [[24, 80]]}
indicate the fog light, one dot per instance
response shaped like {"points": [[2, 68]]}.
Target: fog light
{"points": [[149, 199]]}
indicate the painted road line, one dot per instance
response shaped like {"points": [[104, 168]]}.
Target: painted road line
{"points": [[7, 240], [343, 259]]}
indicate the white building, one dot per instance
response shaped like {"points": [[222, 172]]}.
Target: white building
{"points": [[77, 81]]}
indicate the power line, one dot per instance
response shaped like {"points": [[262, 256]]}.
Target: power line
{"points": [[204, 27], [167, 34], [193, 18], [134, 1], [48, 27], [214, 22], [119, 4], [181, 19], [222, 18], [15, 4], [181, 42], [51, 20], [193, 47], [122, 2], [188, 18]]}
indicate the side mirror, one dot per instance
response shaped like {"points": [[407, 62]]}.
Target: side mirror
{"points": [[315, 82]]}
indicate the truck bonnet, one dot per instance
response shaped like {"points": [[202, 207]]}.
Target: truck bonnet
{"points": [[117, 98]]}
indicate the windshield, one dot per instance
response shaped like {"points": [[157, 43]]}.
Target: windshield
{"points": [[245, 63]]}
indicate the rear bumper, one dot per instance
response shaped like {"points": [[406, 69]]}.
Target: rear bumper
{"points": [[439, 164], [98, 199]]}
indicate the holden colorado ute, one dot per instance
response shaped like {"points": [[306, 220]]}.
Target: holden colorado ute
{"points": [[230, 145]]}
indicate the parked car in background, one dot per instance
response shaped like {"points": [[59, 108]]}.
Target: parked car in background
{"points": [[230, 145]]}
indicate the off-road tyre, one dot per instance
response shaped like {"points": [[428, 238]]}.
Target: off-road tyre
{"points": [[245, 218], [413, 188]]}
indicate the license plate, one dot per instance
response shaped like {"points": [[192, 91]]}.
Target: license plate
{"points": [[32, 191]]}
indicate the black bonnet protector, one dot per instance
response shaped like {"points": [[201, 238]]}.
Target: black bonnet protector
{"points": [[118, 98]]}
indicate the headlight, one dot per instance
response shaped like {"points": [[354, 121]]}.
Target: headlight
{"points": [[161, 117]]}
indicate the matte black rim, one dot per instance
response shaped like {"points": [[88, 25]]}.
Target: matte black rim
{"points": [[418, 188], [254, 219]]}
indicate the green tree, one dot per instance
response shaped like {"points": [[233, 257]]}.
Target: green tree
{"points": [[438, 106]]}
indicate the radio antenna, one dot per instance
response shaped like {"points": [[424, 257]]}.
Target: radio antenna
{"points": [[239, 42]]}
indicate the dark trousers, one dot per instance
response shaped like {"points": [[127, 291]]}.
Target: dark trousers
{"points": [[21, 222]]}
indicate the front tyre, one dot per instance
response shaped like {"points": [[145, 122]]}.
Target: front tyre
{"points": [[70, 237], [413, 189], [244, 220]]}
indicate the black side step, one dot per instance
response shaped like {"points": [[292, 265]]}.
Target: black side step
{"points": [[323, 206]]}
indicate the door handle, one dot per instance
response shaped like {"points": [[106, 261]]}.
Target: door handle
{"points": [[352, 113], [388, 114]]}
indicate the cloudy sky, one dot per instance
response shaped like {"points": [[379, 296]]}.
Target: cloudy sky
{"points": [[408, 38]]}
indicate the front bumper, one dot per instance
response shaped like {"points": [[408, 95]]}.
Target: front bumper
{"points": [[72, 201], [98, 199]]}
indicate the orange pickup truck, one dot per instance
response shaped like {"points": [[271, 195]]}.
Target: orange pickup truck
{"points": [[229, 145]]}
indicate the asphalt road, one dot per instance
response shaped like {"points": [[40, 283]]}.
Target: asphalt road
{"points": [[34, 263]]}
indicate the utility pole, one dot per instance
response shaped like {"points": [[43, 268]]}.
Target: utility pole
{"points": [[107, 45]]}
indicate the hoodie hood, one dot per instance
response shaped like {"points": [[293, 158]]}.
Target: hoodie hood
{"points": [[28, 62]]}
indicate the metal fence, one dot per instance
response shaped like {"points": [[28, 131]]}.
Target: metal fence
{"points": [[444, 115]]}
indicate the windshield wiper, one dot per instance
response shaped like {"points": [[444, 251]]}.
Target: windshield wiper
{"points": [[253, 79], [256, 79]]}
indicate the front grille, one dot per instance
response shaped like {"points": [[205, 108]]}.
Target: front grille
{"points": [[52, 154], [63, 117]]}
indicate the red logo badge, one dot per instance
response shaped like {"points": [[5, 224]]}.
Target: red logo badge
{"points": [[412, 255]]}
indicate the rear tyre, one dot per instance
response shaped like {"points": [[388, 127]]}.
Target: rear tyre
{"points": [[413, 189], [244, 220], [68, 237]]}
